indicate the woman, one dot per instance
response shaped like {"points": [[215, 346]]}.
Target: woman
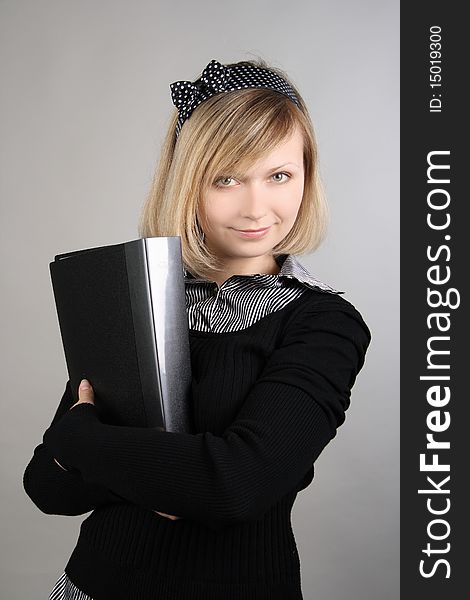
{"points": [[274, 356]]}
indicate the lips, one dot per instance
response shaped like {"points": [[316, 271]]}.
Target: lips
{"points": [[252, 230], [253, 233]]}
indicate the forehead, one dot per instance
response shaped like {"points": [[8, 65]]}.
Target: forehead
{"points": [[289, 149]]}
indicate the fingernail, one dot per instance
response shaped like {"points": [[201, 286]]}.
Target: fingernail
{"points": [[85, 384]]}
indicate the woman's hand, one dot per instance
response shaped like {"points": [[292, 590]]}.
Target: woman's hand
{"points": [[172, 517], [85, 394], [60, 464]]}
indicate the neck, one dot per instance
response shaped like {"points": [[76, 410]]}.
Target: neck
{"points": [[252, 266]]}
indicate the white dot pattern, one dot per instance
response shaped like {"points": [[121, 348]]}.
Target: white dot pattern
{"points": [[217, 78]]}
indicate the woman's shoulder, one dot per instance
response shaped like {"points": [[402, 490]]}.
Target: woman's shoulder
{"points": [[320, 296], [319, 308], [322, 300]]}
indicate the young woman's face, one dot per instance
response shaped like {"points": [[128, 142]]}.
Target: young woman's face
{"points": [[269, 196]]}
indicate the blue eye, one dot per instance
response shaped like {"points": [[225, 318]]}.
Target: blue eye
{"points": [[220, 181], [281, 173], [218, 184]]}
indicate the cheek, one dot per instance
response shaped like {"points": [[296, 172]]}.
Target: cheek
{"points": [[216, 210], [288, 210], [291, 215], [297, 200], [208, 207]]}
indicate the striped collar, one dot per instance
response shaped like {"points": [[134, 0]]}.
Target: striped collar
{"points": [[290, 268]]}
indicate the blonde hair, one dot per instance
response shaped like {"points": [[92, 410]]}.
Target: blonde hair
{"points": [[227, 133]]}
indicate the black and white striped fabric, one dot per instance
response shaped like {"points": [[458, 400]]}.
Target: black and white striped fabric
{"points": [[238, 303], [244, 299], [64, 589]]}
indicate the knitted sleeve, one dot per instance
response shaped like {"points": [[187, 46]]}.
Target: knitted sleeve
{"points": [[58, 492], [287, 418]]}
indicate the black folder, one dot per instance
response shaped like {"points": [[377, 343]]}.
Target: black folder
{"points": [[124, 327]]}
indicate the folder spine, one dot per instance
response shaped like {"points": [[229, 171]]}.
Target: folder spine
{"points": [[167, 287], [145, 338]]}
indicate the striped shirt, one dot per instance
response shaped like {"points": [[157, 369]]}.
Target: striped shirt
{"points": [[238, 303]]}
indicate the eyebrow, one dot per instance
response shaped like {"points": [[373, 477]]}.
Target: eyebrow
{"points": [[284, 165]]}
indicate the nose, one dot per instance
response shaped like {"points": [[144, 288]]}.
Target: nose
{"points": [[254, 205]]}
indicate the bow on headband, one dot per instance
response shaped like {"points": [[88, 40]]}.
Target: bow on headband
{"points": [[216, 77], [186, 95]]}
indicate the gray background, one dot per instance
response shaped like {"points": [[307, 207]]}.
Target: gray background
{"points": [[85, 101]]}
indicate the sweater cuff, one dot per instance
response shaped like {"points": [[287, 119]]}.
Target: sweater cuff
{"points": [[68, 440]]}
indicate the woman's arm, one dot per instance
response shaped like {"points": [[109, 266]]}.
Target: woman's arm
{"points": [[288, 417], [56, 491]]}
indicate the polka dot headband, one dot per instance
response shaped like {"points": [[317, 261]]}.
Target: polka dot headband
{"points": [[217, 78]]}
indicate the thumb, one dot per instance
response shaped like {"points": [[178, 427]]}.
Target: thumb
{"points": [[85, 392]]}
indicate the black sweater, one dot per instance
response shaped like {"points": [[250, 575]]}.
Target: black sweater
{"points": [[266, 401]]}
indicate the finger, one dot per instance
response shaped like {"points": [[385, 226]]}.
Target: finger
{"points": [[85, 392], [171, 517], [60, 465]]}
